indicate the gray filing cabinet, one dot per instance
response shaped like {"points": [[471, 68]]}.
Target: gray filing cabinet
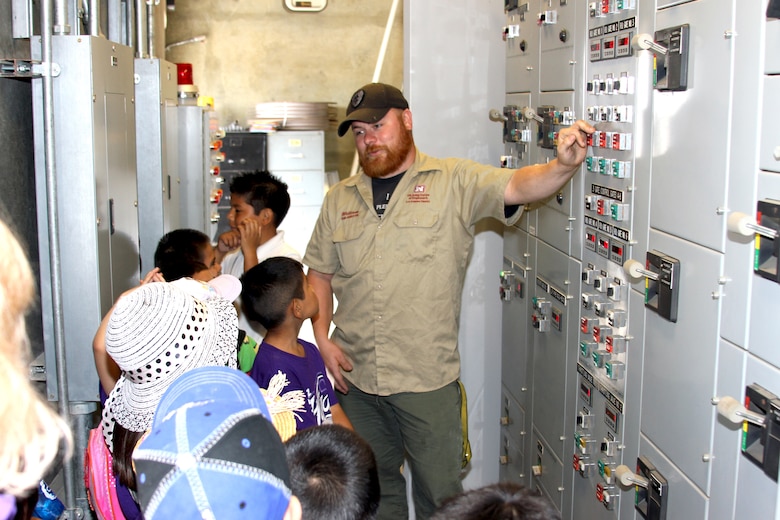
{"points": [[298, 158]]}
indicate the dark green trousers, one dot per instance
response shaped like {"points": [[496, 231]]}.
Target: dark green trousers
{"points": [[422, 428]]}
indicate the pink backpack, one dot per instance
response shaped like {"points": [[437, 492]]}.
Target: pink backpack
{"points": [[99, 478]]}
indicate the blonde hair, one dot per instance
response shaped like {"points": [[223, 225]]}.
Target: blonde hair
{"points": [[31, 432]]}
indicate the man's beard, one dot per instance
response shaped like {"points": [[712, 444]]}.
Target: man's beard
{"points": [[394, 157]]}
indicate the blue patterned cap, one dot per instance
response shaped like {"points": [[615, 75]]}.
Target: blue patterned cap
{"points": [[212, 452]]}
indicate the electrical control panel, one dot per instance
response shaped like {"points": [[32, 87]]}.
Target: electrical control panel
{"points": [[668, 294]]}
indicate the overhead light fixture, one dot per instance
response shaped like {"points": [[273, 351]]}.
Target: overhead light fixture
{"points": [[311, 6]]}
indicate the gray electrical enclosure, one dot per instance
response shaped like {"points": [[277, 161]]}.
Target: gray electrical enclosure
{"points": [[157, 145], [97, 217], [669, 305]]}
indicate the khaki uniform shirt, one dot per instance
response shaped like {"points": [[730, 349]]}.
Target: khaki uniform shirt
{"points": [[398, 280]]}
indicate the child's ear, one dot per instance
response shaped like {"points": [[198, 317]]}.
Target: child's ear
{"points": [[297, 307], [266, 216]]}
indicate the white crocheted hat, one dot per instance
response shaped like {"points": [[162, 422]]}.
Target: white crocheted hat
{"points": [[156, 333]]}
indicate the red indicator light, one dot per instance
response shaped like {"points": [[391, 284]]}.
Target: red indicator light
{"points": [[184, 73], [216, 196]]}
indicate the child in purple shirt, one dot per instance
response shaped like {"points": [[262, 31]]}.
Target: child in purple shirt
{"points": [[276, 294]]}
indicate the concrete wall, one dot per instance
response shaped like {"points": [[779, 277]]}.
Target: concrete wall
{"points": [[257, 51]]}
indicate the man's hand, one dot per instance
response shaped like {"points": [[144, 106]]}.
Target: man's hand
{"points": [[538, 181], [573, 144], [335, 361]]}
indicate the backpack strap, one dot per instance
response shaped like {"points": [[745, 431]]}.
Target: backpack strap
{"points": [[99, 478]]}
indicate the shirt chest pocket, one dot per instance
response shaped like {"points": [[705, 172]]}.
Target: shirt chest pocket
{"points": [[351, 245], [417, 235]]}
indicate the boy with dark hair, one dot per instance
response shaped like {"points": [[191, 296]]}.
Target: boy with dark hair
{"points": [[277, 294], [186, 253], [259, 201], [333, 473], [501, 501]]}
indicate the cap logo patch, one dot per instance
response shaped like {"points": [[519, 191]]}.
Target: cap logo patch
{"points": [[358, 98]]}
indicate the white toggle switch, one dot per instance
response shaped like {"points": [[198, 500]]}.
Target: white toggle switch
{"points": [[627, 478], [746, 225], [644, 41], [734, 411], [530, 113], [635, 269], [497, 116]]}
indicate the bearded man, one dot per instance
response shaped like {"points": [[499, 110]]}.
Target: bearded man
{"points": [[392, 244]]}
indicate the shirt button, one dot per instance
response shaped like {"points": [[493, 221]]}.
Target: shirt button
{"points": [[415, 222], [379, 286], [378, 318], [378, 256]]}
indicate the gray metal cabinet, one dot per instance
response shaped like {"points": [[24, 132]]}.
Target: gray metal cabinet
{"points": [[298, 158]]}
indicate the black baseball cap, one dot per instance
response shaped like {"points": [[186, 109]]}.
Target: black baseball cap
{"points": [[371, 103]]}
